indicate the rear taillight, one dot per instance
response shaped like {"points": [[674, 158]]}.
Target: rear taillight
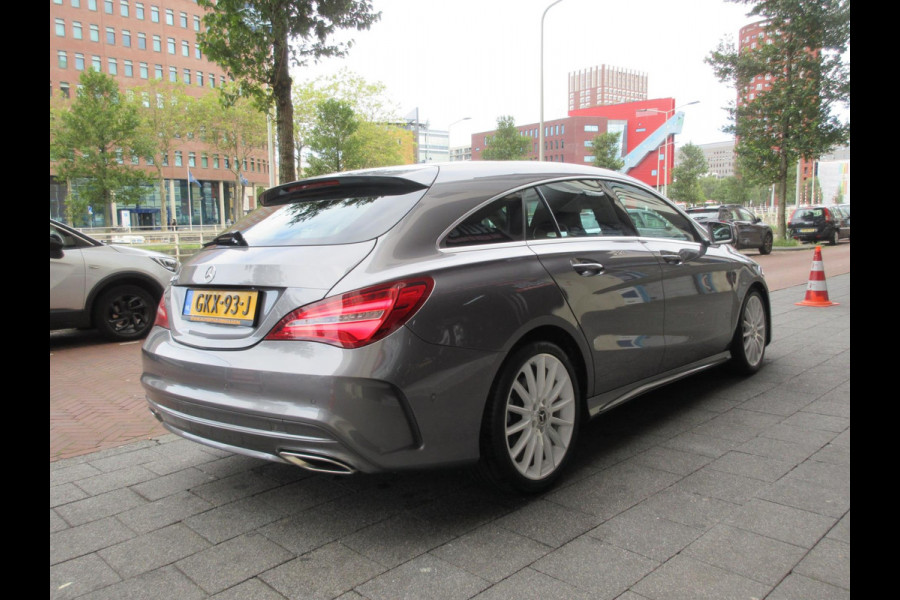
{"points": [[162, 316], [356, 318], [827, 215]]}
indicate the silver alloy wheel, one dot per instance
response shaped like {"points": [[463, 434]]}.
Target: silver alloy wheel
{"points": [[753, 327], [540, 416]]}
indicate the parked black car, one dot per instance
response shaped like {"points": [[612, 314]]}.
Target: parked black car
{"points": [[817, 223], [750, 231]]}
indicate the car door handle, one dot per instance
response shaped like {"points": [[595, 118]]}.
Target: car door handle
{"points": [[673, 259], [586, 268]]}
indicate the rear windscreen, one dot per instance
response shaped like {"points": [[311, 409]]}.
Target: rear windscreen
{"points": [[704, 214], [314, 222]]}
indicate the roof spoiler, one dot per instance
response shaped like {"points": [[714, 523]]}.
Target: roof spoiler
{"points": [[386, 182]]}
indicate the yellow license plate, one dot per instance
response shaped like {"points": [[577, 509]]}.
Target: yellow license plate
{"points": [[226, 307]]}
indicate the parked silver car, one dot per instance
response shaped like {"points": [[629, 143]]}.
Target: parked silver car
{"points": [[470, 312], [112, 288]]}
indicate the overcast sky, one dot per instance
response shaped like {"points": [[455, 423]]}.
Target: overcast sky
{"points": [[481, 58]]}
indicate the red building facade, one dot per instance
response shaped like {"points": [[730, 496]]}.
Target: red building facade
{"points": [[647, 131]]}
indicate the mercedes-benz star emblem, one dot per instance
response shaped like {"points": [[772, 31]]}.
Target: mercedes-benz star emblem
{"points": [[210, 274]]}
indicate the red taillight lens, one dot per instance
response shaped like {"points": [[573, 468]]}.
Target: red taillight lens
{"points": [[356, 318], [827, 216], [162, 315]]}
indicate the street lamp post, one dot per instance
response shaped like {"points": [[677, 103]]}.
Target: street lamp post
{"points": [[666, 146], [541, 128]]}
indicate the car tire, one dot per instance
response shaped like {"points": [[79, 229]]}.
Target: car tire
{"points": [[835, 238], [531, 421], [748, 346], [766, 248], [124, 312]]}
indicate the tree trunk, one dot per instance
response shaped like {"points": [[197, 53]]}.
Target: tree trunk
{"points": [[163, 212], [284, 110]]}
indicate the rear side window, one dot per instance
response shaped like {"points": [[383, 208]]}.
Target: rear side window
{"points": [[498, 222], [324, 221], [577, 209]]}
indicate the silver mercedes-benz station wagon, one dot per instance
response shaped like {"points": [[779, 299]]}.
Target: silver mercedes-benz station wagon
{"points": [[426, 315]]}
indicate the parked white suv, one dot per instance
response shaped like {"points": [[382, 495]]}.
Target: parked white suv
{"points": [[115, 289]]}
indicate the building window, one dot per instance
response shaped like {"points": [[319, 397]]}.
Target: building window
{"points": [[187, 76], [110, 36], [108, 6], [126, 39], [183, 20], [226, 162], [196, 23], [157, 43], [158, 71], [212, 80], [139, 10], [185, 48], [178, 161], [165, 159], [154, 14], [197, 54], [112, 66], [173, 74], [200, 78], [123, 8], [64, 89], [62, 60], [128, 68], [170, 16], [215, 161], [79, 61], [92, 5], [171, 45], [590, 128], [60, 28], [144, 71], [192, 159], [96, 64], [204, 161], [76, 30], [95, 33]]}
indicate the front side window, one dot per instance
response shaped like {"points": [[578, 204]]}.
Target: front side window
{"points": [[652, 216]]}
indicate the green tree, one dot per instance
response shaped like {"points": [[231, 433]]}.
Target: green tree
{"points": [[687, 175], [507, 143], [378, 137], [234, 126], [331, 139], [257, 41], [166, 118], [93, 140], [794, 117], [608, 151]]}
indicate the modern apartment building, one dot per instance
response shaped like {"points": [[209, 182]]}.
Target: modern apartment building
{"points": [[603, 85], [136, 42]]}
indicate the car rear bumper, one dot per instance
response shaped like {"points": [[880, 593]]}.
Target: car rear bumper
{"points": [[386, 406]]}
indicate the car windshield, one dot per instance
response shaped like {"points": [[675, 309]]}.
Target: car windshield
{"points": [[325, 221]]}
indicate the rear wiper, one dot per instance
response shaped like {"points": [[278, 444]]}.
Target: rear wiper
{"points": [[229, 238]]}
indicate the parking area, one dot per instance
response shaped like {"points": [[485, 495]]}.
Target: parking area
{"points": [[715, 487]]}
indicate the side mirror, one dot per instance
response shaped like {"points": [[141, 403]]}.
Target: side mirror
{"points": [[720, 232], [56, 246]]}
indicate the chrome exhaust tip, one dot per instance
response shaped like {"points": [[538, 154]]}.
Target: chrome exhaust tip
{"points": [[319, 464]]}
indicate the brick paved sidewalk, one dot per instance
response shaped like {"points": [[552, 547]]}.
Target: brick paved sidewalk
{"points": [[96, 398]]}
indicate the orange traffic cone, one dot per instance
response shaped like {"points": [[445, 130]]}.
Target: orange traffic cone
{"points": [[816, 290]]}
